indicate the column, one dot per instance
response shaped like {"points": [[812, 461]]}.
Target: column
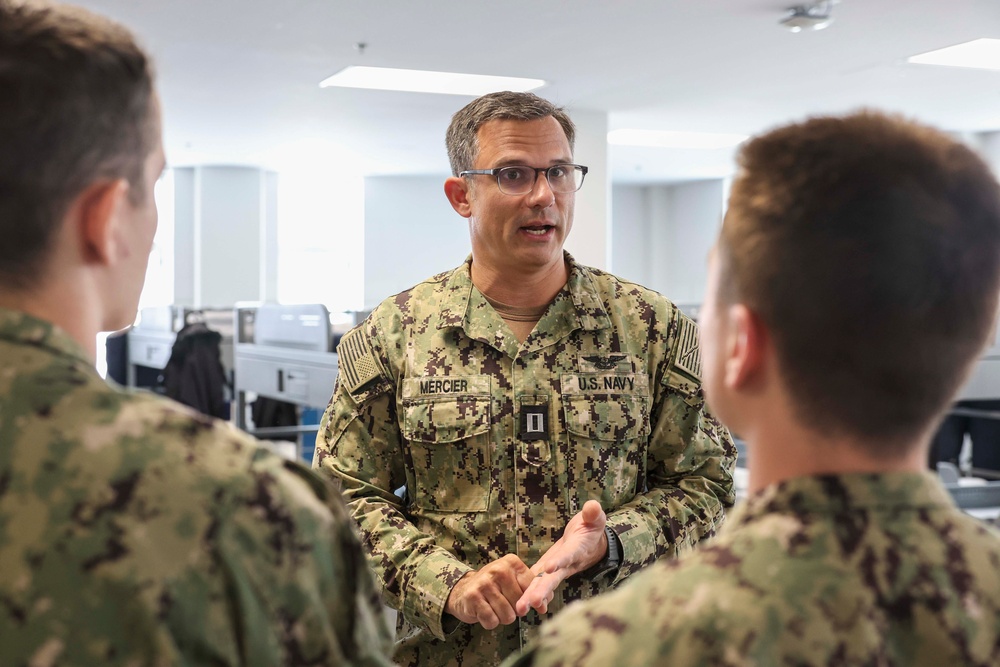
{"points": [[226, 235]]}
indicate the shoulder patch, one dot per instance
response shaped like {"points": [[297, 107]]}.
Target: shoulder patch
{"points": [[356, 360], [687, 360]]}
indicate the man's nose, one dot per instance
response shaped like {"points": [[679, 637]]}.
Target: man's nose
{"points": [[541, 194]]}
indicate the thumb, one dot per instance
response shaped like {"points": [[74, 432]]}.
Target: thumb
{"points": [[593, 515]]}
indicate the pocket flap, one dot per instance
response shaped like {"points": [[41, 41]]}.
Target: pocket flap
{"points": [[446, 418], [610, 417]]}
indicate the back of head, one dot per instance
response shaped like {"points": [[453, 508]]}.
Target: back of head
{"points": [[870, 247], [461, 138], [76, 108]]}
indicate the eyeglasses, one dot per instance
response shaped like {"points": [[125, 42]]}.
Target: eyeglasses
{"points": [[519, 180]]}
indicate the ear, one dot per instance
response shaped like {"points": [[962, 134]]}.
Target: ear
{"points": [[746, 348], [98, 209], [457, 191]]}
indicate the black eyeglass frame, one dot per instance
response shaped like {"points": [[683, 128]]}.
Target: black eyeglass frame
{"points": [[498, 170]]}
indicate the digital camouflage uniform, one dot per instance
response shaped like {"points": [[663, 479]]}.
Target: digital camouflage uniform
{"points": [[862, 569], [499, 443], [135, 532]]}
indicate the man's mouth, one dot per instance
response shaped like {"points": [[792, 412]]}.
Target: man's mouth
{"points": [[537, 230]]}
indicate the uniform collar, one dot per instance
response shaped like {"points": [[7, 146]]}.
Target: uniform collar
{"points": [[24, 329], [578, 305], [837, 494]]}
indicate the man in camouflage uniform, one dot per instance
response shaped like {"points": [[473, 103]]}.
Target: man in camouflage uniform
{"points": [[506, 394], [854, 283], [132, 530]]}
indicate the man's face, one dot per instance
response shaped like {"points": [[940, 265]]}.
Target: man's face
{"points": [[136, 235], [519, 233]]}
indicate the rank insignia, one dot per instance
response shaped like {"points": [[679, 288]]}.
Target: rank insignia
{"points": [[534, 422]]}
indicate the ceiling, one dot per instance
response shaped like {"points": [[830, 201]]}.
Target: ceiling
{"points": [[239, 78]]}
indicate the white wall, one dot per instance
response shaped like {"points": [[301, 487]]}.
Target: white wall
{"points": [[630, 234], [661, 236], [411, 233], [590, 240], [321, 221], [694, 220], [184, 236]]}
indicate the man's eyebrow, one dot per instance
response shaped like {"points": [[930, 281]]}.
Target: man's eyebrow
{"points": [[517, 162]]}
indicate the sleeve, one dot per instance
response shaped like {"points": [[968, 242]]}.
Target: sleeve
{"points": [[359, 445], [689, 466], [364, 637], [294, 587], [594, 633]]}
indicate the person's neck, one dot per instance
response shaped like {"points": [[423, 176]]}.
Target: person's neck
{"points": [[524, 289], [780, 448], [64, 303]]}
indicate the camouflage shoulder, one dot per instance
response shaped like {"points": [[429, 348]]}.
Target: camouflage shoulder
{"points": [[300, 485], [617, 284], [633, 297], [214, 448]]}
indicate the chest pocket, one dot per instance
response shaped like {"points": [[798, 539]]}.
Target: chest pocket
{"points": [[449, 441], [607, 427]]}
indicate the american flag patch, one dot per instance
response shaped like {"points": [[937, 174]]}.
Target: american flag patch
{"points": [[688, 358], [356, 361]]}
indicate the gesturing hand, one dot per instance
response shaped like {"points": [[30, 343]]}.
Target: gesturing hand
{"points": [[582, 544], [488, 595]]}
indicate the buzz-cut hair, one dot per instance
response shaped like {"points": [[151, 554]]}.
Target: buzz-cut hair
{"points": [[869, 245]]}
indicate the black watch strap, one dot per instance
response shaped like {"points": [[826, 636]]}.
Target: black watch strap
{"points": [[611, 561]]}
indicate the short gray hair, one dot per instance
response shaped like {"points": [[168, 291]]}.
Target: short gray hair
{"points": [[461, 139]]}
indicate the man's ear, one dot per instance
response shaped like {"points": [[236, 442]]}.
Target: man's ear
{"points": [[457, 191], [98, 210], [746, 348]]}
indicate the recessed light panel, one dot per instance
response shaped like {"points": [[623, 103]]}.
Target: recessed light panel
{"points": [[422, 81]]}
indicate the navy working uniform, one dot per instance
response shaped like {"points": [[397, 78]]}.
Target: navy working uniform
{"points": [[499, 443]]}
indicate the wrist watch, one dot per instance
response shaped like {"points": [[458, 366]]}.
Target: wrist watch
{"points": [[611, 561]]}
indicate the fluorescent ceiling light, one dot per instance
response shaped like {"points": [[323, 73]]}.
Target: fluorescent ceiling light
{"points": [[979, 53], [663, 139], [420, 81]]}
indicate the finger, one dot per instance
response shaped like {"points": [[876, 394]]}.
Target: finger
{"points": [[538, 599], [501, 608], [511, 576], [543, 608], [593, 514], [513, 563], [538, 592], [515, 567], [525, 602], [511, 587], [485, 614], [525, 579]]}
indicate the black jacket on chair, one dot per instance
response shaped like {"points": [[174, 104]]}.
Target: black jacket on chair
{"points": [[194, 375]]}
